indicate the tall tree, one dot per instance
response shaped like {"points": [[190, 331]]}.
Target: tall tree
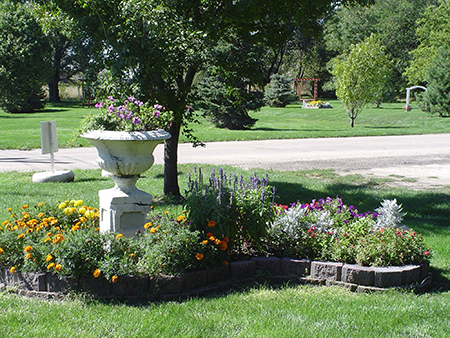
{"points": [[163, 44], [433, 33], [362, 76]]}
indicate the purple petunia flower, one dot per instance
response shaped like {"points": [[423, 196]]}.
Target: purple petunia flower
{"points": [[99, 105], [136, 120]]}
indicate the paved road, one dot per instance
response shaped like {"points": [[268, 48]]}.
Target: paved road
{"points": [[424, 159]]}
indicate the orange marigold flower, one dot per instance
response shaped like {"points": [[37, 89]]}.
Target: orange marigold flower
{"points": [[83, 219], [226, 239], [9, 209], [75, 228], [24, 206], [166, 212], [1, 251], [132, 255], [58, 239], [119, 236], [96, 273], [28, 256], [225, 263], [217, 241], [211, 224], [223, 246], [47, 239], [13, 269], [40, 215], [209, 234], [212, 238], [147, 225], [198, 256], [20, 236], [58, 267], [205, 242], [181, 218], [50, 266], [28, 248], [114, 279], [153, 230], [49, 258]]}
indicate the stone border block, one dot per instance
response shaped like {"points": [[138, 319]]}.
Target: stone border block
{"points": [[242, 269], [388, 276], [326, 270], [356, 274], [218, 274], [270, 265], [411, 274], [295, 267], [195, 280]]}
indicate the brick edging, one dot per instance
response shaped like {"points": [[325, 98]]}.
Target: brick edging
{"points": [[218, 279]]}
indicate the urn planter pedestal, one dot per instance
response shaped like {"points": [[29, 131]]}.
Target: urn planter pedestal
{"points": [[125, 155]]}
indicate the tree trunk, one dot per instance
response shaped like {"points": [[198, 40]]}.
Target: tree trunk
{"points": [[53, 90], [171, 187], [352, 122]]}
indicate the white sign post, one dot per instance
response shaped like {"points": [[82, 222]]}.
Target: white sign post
{"points": [[49, 140], [49, 145]]}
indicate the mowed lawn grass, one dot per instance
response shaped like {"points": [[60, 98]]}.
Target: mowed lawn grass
{"points": [[260, 310], [22, 131]]}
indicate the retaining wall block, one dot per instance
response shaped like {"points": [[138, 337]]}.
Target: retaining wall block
{"points": [[242, 269], [295, 267], [388, 276], [425, 270], [56, 283], [411, 274], [356, 274], [218, 274], [195, 280], [270, 265], [97, 287], [166, 285], [326, 270], [130, 286], [350, 286]]}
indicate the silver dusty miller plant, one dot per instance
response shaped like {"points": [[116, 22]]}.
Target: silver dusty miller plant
{"points": [[390, 215]]}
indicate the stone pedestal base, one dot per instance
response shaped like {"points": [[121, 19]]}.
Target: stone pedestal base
{"points": [[123, 212]]}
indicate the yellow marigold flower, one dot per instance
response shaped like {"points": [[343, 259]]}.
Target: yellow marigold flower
{"points": [[68, 211], [78, 203], [49, 258], [13, 269], [1, 251], [83, 219], [28, 256], [153, 230], [58, 267], [29, 230], [9, 209], [28, 248], [25, 215], [131, 255], [40, 215], [51, 265], [20, 236], [198, 256], [205, 242], [97, 229], [62, 205], [119, 236], [5, 222], [217, 241], [165, 232], [166, 212], [75, 228], [147, 225], [212, 238], [49, 234], [211, 224], [114, 279], [96, 273], [47, 239], [181, 218], [89, 214], [82, 210], [58, 239], [24, 206]]}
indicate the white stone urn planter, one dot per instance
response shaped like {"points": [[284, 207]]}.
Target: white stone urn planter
{"points": [[125, 155]]}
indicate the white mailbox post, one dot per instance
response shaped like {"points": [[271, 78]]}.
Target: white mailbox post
{"points": [[49, 145]]}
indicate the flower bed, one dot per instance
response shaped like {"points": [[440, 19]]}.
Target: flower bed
{"points": [[226, 220]]}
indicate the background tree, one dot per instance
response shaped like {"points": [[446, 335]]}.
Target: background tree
{"points": [[362, 76], [160, 45], [23, 66], [278, 92], [436, 98], [394, 22], [69, 53], [433, 33]]}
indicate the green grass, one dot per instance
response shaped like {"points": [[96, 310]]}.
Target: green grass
{"points": [[22, 131]]}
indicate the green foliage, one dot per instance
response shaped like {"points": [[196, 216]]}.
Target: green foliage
{"points": [[362, 77], [23, 64], [229, 207], [224, 105], [436, 98], [433, 34], [278, 93]]}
